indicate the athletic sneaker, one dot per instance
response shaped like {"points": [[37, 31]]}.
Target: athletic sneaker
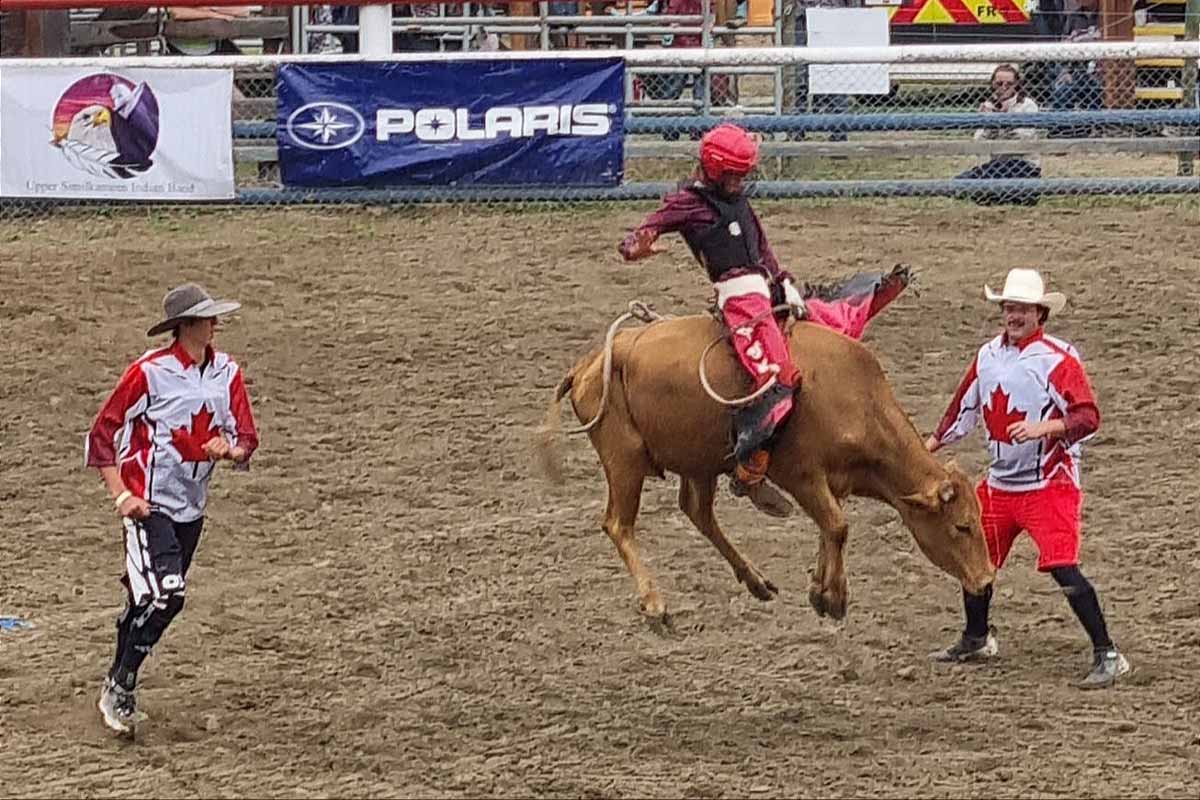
{"points": [[969, 648], [118, 706], [1107, 666]]}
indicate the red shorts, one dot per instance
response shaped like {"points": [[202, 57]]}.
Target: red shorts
{"points": [[1050, 515]]}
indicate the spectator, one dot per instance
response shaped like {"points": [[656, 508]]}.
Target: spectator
{"points": [[670, 86], [416, 42], [201, 46], [1077, 86], [345, 15], [1037, 76], [401, 42], [322, 42], [564, 8], [1007, 97]]}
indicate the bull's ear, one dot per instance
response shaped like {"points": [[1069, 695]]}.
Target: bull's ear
{"points": [[925, 501], [945, 491]]}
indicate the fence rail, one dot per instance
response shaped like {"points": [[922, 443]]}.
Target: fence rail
{"points": [[681, 56], [793, 123]]}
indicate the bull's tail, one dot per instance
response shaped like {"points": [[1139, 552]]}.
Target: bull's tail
{"points": [[548, 441], [548, 454]]}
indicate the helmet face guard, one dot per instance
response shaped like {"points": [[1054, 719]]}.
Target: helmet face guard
{"points": [[727, 149]]}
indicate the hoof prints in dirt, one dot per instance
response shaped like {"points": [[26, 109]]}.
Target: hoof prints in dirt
{"points": [[388, 604]]}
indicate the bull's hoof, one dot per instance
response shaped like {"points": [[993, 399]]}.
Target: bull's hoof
{"points": [[836, 608], [817, 601], [757, 583], [828, 604], [652, 605]]}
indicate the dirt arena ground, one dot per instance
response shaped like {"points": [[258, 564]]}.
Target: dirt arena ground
{"points": [[389, 604]]}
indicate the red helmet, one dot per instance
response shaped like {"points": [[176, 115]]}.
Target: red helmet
{"points": [[727, 148]]}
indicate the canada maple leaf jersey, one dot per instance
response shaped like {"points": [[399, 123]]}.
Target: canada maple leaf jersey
{"points": [[154, 425], [1041, 378]]}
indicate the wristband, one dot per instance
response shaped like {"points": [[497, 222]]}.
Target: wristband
{"points": [[121, 498]]}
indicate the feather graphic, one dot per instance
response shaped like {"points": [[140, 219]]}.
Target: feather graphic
{"points": [[97, 161]]}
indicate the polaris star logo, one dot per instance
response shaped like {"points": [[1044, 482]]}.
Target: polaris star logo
{"points": [[325, 126]]}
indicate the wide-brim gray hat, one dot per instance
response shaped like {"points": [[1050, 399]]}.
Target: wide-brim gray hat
{"points": [[188, 302]]}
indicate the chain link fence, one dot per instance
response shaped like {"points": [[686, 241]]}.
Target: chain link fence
{"points": [[992, 125]]}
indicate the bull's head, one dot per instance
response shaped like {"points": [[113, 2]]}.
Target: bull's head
{"points": [[944, 517]]}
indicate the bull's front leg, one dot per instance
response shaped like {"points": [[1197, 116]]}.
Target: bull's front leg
{"points": [[829, 591]]}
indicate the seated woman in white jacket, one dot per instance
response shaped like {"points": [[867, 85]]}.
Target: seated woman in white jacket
{"points": [[1007, 97]]}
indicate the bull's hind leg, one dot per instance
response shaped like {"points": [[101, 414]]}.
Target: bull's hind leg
{"points": [[623, 454], [829, 591], [696, 500], [624, 500]]}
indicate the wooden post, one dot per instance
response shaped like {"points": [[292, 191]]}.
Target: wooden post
{"points": [[761, 13], [522, 41], [12, 33], [725, 10], [47, 34], [1120, 77], [283, 45]]}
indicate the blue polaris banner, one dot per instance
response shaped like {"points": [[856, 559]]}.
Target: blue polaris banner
{"points": [[546, 121]]}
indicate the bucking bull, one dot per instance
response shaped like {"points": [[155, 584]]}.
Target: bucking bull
{"points": [[847, 435]]}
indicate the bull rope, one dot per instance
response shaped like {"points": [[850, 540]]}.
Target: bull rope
{"points": [[637, 310], [646, 313]]}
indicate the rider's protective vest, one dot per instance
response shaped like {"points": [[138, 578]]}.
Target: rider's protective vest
{"points": [[732, 242]]}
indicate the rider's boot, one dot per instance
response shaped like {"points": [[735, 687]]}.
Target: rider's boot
{"points": [[753, 426]]}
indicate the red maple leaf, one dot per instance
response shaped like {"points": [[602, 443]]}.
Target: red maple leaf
{"points": [[190, 444], [997, 416]]}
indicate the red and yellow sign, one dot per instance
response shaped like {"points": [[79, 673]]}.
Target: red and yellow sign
{"points": [[959, 12]]}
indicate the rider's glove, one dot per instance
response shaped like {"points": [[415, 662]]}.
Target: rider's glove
{"points": [[793, 298]]}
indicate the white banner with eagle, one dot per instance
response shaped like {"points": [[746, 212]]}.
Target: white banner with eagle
{"points": [[138, 134]]}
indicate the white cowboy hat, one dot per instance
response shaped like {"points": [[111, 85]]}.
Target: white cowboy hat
{"points": [[187, 302], [1026, 286]]}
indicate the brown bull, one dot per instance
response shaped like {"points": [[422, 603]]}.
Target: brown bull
{"points": [[846, 436]]}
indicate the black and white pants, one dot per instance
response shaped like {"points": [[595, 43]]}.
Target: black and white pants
{"points": [[158, 552]]}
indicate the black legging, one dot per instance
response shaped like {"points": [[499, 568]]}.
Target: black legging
{"points": [[162, 555], [1084, 602], [1080, 594]]}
